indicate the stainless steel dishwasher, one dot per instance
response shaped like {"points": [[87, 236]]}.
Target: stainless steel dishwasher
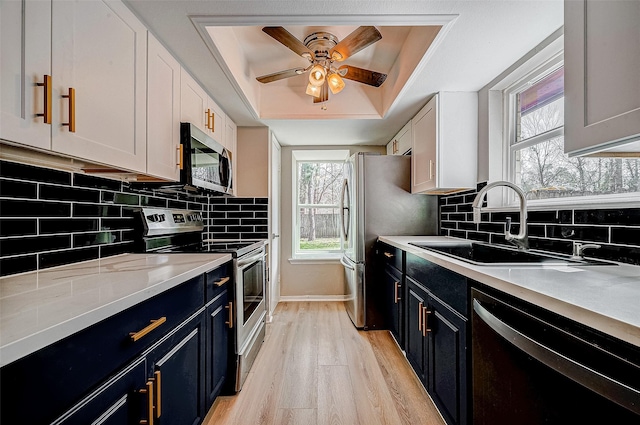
{"points": [[531, 366]]}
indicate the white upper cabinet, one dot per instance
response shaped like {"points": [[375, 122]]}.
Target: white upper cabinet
{"points": [[163, 112], [445, 143], [602, 78], [401, 143], [199, 109], [99, 51], [25, 49]]}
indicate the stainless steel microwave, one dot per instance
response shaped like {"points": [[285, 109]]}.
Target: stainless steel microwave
{"points": [[206, 163]]}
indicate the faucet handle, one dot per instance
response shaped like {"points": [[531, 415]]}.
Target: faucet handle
{"points": [[579, 248]]}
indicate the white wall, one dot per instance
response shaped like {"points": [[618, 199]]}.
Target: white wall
{"points": [[312, 280]]}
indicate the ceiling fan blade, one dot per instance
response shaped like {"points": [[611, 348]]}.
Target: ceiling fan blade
{"points": [[360, 75], [354, 42], [280, 75], [287, 39], [324, 94]]}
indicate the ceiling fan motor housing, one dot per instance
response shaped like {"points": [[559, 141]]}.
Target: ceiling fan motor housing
{"points": [[321, 43]]}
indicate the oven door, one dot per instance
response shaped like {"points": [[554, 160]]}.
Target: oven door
{"points": [[250, 291], [207, 164]]}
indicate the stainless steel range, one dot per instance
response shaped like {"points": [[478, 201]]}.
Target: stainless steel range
{"points": [[167, 231]]}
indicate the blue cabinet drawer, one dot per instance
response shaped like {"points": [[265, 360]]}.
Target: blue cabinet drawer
{"points": [[218, 280]]}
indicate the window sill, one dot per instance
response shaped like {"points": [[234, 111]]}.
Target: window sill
{"points": [[608, 202], [325, 259]]}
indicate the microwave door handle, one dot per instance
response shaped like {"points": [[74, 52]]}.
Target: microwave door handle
{"points": [[225, 154]]}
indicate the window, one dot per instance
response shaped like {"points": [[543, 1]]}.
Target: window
{"points": [[317, 186], [536, 159]]}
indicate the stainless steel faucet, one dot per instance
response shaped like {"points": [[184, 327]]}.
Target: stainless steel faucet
{"points": [[521, 240]]}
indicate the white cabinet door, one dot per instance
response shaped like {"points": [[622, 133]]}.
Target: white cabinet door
{"points": [[423, 155], [193, 102], [217, 123], [602, 84], [391, 147], [163, 112], [99, 49], [25, 49], [401, 143]]}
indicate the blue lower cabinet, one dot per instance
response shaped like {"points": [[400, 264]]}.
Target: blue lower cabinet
{"points": [[416, 340], [218, 353], [177, 369], [116, 402]]}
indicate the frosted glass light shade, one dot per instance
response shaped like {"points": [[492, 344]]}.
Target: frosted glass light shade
{"points": [[317, 75], [336, 83], [313, 90]]}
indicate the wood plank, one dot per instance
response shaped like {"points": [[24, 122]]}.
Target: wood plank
{"points": [[373, 400], [406, 391], [299, 386], [296, 417], [330, 343], [336, 403]]}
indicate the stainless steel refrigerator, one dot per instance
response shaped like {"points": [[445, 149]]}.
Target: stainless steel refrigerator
{"points": [[377, 201]]}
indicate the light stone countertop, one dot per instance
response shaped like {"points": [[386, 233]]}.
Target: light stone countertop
{"points": [[40, 308], [606, 298]]}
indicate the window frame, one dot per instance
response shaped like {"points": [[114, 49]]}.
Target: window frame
{"points": [[506, 199], [311, 156]]}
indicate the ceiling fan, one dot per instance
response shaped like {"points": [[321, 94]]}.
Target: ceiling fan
{"points": [[322, 49]]}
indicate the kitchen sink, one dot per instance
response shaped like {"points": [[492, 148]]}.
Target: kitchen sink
{"points": [[483, 254]]}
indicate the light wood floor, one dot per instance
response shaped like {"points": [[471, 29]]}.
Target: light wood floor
{"points": [[315, 368]]}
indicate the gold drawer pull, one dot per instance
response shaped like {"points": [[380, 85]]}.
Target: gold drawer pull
{"points": [[230, 308], [154, 324], [47, 99], [208, 115], [388, 255], [396, 292], [420, 316], [158, 378], [149, 392], [222, 281], [72, 109], [212, 126]]}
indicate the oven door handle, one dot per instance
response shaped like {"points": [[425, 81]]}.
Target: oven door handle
{"points": [[249, 259], [601, 384]]}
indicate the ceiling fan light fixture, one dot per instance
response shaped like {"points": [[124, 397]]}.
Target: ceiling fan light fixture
{"points": [[317, 75], [336, 83], [313, 90]]}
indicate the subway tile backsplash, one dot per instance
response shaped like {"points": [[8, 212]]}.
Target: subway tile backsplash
{"points": [[50, 217], [616, 230]]}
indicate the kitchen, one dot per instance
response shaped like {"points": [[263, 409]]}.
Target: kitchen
{"points": [[78, 206]]}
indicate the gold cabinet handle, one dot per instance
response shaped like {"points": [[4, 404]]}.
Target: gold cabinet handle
{"points": [[149, 392], [135, 336], [230, 308], [72, 109], [425, 314], [212, 126], [158, 379], [222, 281], [47, 99], [420, 316], [395, 146], [207, 113], [396, 292], [180, 150], [388, 255]]}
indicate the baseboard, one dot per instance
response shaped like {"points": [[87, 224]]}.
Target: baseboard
{"points": [[294, 298]]}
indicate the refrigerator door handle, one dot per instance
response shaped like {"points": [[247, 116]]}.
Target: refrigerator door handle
{"points": [[345, 225], [347, 265]]}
